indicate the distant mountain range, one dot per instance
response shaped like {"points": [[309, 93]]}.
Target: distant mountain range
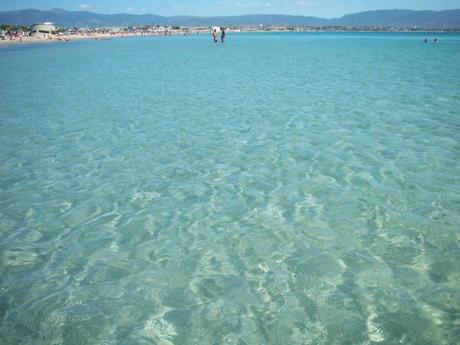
{"points": [[383, 18]]}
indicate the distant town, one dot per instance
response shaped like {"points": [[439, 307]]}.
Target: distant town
{"points": [[48, 30]]}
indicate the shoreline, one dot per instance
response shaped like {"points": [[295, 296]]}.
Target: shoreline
{"points": [[70, 38], [104, 37]]}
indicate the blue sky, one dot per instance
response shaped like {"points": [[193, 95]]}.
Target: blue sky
{"points": [[320, 8]]}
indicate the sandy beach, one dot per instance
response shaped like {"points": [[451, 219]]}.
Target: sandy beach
{"points": [[68, 38]]}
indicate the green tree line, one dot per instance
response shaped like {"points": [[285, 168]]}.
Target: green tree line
{"points": [[9, 27]]}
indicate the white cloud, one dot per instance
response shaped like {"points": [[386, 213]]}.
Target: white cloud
{"points": [[84, 7], [133, 10], [236, 4], [305, 3]]}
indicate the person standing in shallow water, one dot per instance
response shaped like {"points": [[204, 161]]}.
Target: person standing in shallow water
{"points": [[222, 35], [214, 35]]}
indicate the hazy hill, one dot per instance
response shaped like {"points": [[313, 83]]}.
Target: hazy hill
{"points": [[427, 19], [63, 18]]}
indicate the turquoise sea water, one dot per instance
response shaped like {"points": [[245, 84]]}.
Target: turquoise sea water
{"points": [[278, 189]]}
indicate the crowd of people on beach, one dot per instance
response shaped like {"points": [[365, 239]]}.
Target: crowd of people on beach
{"points": [[12, 35], [19, 34]]}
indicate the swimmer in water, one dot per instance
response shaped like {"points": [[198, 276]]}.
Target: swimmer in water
{"points": [[222, 35], [214, 35]]}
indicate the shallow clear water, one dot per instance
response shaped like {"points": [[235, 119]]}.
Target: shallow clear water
{"points": [[278, 189]]}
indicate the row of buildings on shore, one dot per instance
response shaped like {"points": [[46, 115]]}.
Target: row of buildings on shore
{"points": [[48, 29]]}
